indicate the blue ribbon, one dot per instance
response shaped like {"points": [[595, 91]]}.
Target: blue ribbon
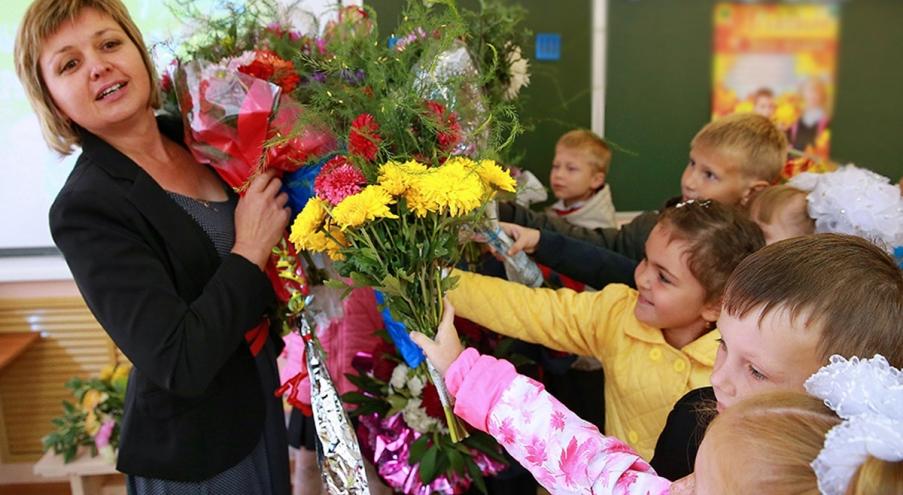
{"points": [[898, 253], [409, 351], [299, 185]]}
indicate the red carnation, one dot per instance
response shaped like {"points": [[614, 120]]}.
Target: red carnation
{"points": [[363, 139], [431, 403], [448, 130], [338, 179]]}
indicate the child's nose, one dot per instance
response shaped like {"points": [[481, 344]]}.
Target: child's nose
{"points": [[721, 382]]}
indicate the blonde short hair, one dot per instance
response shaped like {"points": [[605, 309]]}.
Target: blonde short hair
{"points": [[758, 145], [766, 443], [42, 19], [768, 202], [591, 144]]}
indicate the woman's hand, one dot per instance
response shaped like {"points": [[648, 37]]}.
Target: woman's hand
{"points": [[260, 218], [442, 351], [525, 238]]}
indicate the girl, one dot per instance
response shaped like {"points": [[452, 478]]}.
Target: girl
{"points": [[655, 343], [771, 443], [850, 200]]}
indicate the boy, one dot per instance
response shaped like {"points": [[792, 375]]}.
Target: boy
{"points": [[730, 159], [581, 164], [787, 309]]}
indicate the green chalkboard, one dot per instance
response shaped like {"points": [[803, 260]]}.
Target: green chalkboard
{"points": [[658, 87], [659, 90]]}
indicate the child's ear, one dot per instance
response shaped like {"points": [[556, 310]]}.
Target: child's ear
{"points": [[598, 180], [751, 190], [711, 311]]}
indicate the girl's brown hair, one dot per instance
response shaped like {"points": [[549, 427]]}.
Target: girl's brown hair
{"points": [[719, 238], [42, 19]]}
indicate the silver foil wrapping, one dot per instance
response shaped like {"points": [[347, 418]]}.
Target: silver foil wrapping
{"points": [[452, 78], [339, 455]]}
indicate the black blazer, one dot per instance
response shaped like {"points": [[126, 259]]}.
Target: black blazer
{"points": [[152, 278]]}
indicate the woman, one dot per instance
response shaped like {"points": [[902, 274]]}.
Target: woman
{"points": [[167, 258]]}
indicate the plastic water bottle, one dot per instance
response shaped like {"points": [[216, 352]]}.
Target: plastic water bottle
{"points": [[519, 267]]}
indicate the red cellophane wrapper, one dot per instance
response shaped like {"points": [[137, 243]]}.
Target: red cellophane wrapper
{"points": [[242, 125]]}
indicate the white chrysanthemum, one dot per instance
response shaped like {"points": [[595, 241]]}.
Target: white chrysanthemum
{"points": [[416, 417], [415, 385], [519, 72], [399, 377]]}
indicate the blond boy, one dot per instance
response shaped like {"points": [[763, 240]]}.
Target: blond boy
{"points": [[730, 159], [578, 180]]}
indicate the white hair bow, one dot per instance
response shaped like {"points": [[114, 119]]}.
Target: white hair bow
{"points": [[868, 395]]}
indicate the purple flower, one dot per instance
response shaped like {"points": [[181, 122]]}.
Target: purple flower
{"points": [[102, 438]]}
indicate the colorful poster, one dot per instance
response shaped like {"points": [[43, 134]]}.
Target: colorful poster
{"points": [[779, 61]]}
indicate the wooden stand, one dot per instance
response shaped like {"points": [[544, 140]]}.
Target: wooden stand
{"points": [[87, 475]]}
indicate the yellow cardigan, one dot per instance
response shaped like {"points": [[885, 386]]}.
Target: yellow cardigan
{"points": [[644, 375]]}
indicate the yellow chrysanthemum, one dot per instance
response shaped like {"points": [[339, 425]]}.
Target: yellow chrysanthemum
{"points": [[335, 244], [455, 187], [308, 224], [397, 178], [495, 176], [92, 424], [355, 210]]}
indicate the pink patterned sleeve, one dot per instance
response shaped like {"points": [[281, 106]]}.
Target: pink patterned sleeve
{"points": [[563, 452]]}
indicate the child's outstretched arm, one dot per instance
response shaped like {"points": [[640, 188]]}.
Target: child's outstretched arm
{"points": [[563, 452]]}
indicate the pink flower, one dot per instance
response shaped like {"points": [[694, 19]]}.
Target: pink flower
{"points": [[102, 438], [507, 433], [573, 461], [558, 420], [338, 180], [536, 451]]}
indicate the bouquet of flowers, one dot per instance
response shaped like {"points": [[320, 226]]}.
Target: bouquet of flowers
{"points": [[93, 420], [402, 429], [399, 234]]}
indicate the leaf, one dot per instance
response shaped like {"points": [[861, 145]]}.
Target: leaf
{"points": [[356, 398], [397, 403], [484, 443], [391, 286], [418, 448], [362, 382], [335, 283], [428, 466], [362, 280], [475, 475], [456, 460]]}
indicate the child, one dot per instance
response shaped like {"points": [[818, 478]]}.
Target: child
{"points": [[730, 159], [770, 443], [655, 344], [849, 200], [780, 211], [787, 308], [579, 170], [763, 102]]}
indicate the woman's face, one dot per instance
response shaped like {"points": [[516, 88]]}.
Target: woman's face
{"points": [[95, 74]]}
